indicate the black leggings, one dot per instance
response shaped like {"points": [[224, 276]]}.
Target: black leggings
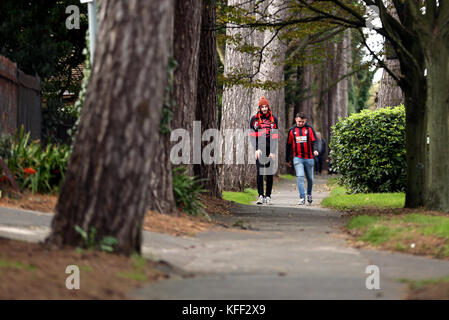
{"points": [[260, 180]]}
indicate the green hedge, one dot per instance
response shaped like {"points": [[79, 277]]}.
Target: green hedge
{"points": [[368, 150]]}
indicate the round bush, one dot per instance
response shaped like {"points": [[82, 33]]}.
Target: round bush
{"points": [[368, 150]]}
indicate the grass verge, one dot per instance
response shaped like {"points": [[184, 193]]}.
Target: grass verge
{"points": [[428, 289], [245, 197], [415, 233], [340, 200], [287, 176], [379, 220]]}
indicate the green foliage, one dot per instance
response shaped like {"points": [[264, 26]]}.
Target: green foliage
{"points": [[187, 190], [56, 116], [169, 101], [5, 147], [106, 243], [34, 35], [79, 103], [368, 150], [37, 168]]}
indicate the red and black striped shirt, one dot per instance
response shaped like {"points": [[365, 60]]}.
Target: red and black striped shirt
{"points": [[300, 142], [264, 131]]}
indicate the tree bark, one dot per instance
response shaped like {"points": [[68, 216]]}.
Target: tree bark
{"points": [[437, 106], [236, 114], [415, 131], [107, 184], [186, 51], [272, 69], [207, 102], [390, 93]]}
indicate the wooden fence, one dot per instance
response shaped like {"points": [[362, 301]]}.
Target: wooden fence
{"points": [[20, 100]]}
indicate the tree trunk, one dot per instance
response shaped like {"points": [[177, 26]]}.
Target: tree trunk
{"points": [[415, 99], [437, 106], [207, 102], [236, 114], [390, 94], [107, 184], [186, 50], [272, 69], [161, 197]]}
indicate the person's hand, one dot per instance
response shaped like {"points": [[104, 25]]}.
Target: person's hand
{"points": [[315, 153], [258, 154], [272, 156], [288, 164]]}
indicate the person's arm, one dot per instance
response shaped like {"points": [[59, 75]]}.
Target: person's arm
{"points": [[312, 137], [274, 138], [288, 148], [253, 134]]}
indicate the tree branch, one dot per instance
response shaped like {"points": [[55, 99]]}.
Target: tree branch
{"points": [[390, 72]]}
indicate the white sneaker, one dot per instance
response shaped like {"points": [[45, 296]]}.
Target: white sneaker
{"points": [[302, 201], [268, 200], [260, 200], [309, 200]]}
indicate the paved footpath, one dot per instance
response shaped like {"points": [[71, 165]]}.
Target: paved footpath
{"points": [[286, 252]]}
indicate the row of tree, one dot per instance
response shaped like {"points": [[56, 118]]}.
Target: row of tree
{"points": [[417, 34], [120, 166]]}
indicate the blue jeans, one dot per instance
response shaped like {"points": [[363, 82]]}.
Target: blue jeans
{"points": [[304, 166]]}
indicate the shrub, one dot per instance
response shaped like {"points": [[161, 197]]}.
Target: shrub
{"points": [[187, 190], [368, 150], [36, 168], [5, 147]]}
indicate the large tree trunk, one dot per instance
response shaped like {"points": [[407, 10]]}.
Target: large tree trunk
{"points": [[161, 197], [207, 102], [415, 98], [236, 114], [437, 106], [107, 184], [272, 69], [186, 50]]}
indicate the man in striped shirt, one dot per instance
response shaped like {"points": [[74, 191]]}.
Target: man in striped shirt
{"points": [[301, 140]]}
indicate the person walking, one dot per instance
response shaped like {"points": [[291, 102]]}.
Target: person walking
{"points": [[321, 148], [264, 137], [301, 144]]}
